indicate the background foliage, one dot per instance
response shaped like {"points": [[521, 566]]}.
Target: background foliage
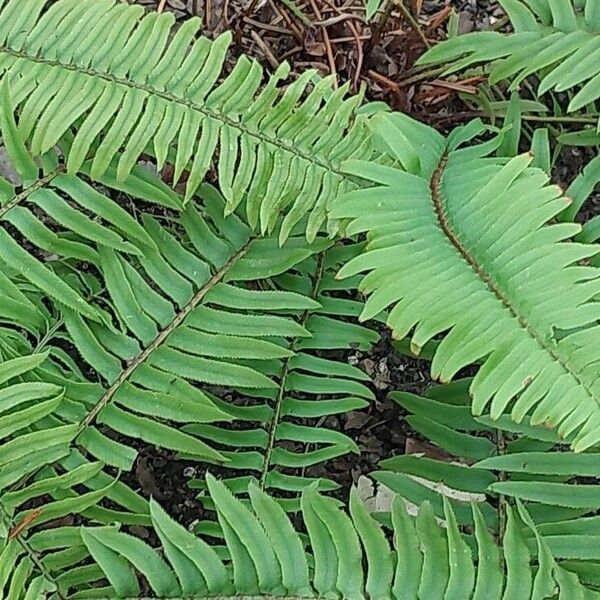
{"points": [[216, 316]]}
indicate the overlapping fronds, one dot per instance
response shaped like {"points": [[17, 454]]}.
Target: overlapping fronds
{"points": [[559, 40], [46, 482], [132, 315], [488, 462], [122, 318], [583, 183], [283, 432], [349, 555], [460, 245], [132, 86], [147, 312]]}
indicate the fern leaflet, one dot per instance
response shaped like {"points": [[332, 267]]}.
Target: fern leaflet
{"points": [[460, 244]]}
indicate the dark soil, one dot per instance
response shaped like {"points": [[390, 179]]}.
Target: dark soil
{"points": [[379, 431]]}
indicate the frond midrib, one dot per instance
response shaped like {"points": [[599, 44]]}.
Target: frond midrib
{"points": [[284, 376], [444, 223], [214, 114], [146, 352], [27, 191], [33, 556], [161, 337]]}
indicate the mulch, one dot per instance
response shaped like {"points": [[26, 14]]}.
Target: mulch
{"points": [[333, 37]]}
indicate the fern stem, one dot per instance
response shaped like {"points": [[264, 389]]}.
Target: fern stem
{"points": [[501, 446], [461, 116], [378, 27], [559, 119], [297, 12], [40, 183], [143, 356], [48, 336], [419, 74], [274, 422], [160, 339], [412, 22], [284, 375], [31, 553], [234, 597]]}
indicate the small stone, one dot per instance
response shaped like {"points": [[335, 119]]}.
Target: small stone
{"points": [[189, 472]]}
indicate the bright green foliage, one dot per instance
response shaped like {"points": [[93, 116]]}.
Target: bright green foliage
{"points": [[546, 156], [349, 556], [124, 317], [489, 462], [459, 244], [166, 319], [282, 434], [131, 314], [558, 39], [130, 87]]}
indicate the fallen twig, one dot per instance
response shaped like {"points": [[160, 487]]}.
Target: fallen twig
{"points": [[359, 45], [265, 49], [412, 21], [327, 42]]}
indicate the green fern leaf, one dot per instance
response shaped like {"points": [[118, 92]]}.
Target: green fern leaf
{"points": [[313, 383], [440, 557], [160, 308], [551, 37], [132, 87], [455, 249], [529, 464]]}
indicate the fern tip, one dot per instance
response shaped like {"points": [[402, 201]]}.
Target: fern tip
{"points": [[415, 348]]}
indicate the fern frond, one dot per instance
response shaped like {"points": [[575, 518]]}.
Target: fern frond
{"points": [[282, 435], [558, 40], [482, 446], [349, 555], [127, 320], [35, 437], [132, 88], [490, 461], [461, 245], [164, 319], [583, 185]]}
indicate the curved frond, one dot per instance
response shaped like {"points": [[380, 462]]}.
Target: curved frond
{"points": [[349, 555], [557, 39], [461, 245], [134, 86]]}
